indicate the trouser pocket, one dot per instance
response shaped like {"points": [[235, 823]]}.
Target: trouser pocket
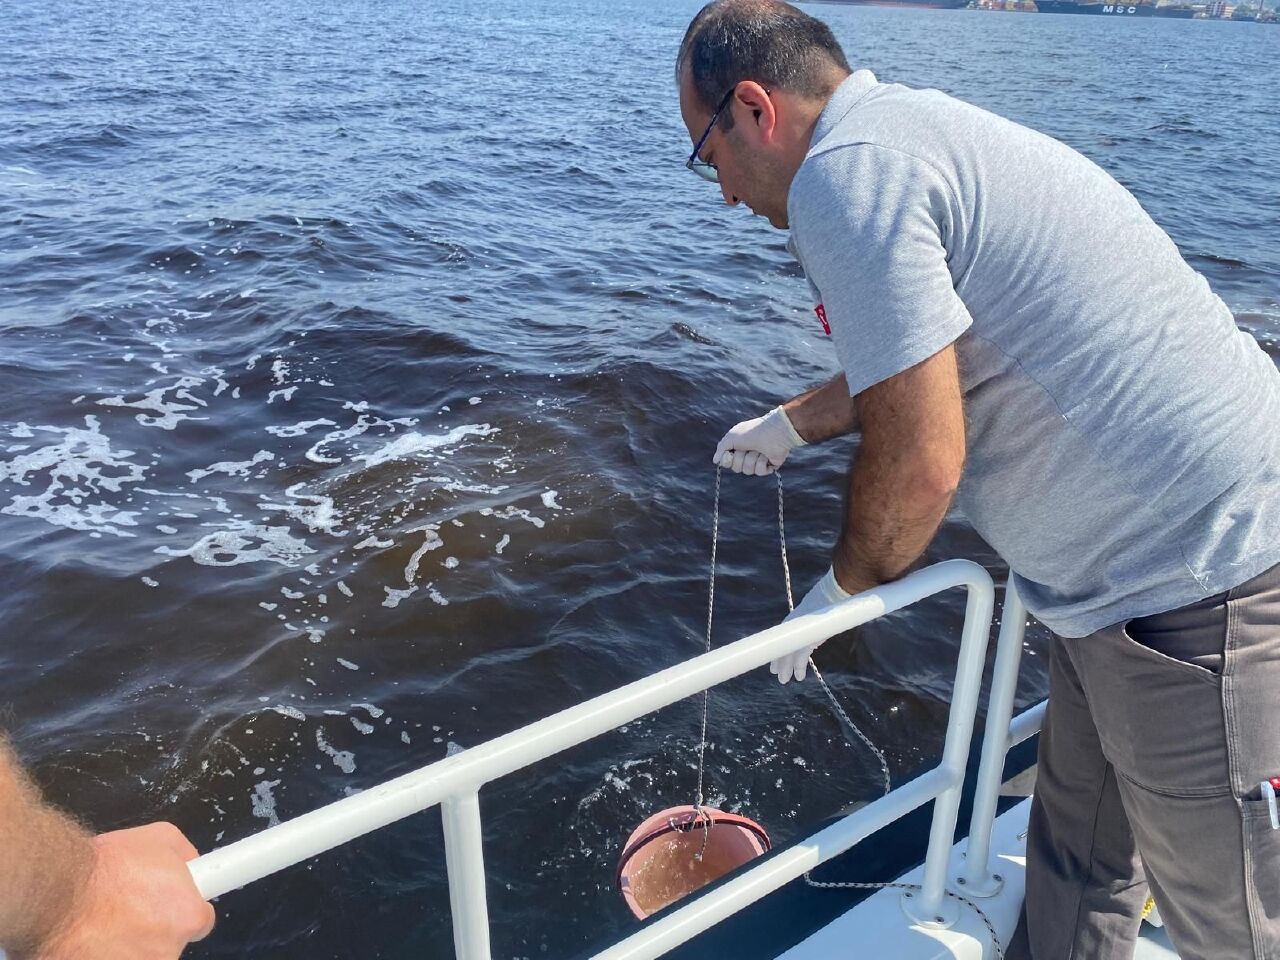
{"points": [[1160, 720]]}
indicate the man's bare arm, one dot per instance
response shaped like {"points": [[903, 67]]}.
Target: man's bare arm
{"points": [[47, 860], [823, 412], [64, 895], [905, 473]]}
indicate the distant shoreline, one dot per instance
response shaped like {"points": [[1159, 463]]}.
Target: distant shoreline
{"points": [[1127, 10]]}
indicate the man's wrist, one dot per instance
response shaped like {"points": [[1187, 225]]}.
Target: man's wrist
{"points": [[792, 415], [850, 576]]}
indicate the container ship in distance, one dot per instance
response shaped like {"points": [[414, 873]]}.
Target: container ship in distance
{"points": [[1115, 9], [1093, 6]]}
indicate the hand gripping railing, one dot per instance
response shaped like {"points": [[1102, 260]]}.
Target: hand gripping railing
{"points": [[454, 782]]}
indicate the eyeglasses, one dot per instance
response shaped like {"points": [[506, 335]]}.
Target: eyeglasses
{"points": [[708, 171]]}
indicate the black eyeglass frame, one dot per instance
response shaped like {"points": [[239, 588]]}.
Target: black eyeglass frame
{"points": [[708, 171]]}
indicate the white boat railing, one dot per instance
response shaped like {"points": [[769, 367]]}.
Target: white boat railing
{"points": [[978, 880], [454, 782]]}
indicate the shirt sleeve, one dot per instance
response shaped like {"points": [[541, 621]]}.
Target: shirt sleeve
{"points": [[869, 225]]}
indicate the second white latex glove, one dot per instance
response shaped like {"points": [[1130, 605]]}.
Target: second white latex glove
{"points": [[822, 595], [758, 447]]}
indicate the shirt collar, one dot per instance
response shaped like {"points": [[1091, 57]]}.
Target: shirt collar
{"points": [[854, 87]]}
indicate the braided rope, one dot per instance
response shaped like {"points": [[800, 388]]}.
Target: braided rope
{"points": [[910, 888], [706, 694]]}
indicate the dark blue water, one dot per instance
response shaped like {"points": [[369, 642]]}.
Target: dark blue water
{"points": [[361, 369]]}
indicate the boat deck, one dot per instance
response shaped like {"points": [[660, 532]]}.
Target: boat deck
{"points": [[877, 922]]}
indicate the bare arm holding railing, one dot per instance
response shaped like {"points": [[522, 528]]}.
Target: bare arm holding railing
{"points": [[65, 894]]}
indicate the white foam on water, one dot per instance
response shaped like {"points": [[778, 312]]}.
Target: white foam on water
{"points": [[291, 594], [374, 712], [264, 802], [506, 539], [412, 444], [508, 513], [79, 468], [165, 528], [287, 711], [233, 468], [450, 563], [318, 454], [319, 515], [549, 500], [404, 737], [170, 412], [149, 582], [373, 541], [348, 664], [432, 542], [361, 726], [455, 486], [244, 542], [473, 401], [287, 393], [298, 429], [344, 760], [344, 589], [453, 749], [394, 596], [436, 596]]}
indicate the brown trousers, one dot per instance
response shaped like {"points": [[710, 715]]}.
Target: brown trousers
{"points": [[1157, 736]]}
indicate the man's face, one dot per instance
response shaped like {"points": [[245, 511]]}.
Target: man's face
{"points": [[749, 157]]}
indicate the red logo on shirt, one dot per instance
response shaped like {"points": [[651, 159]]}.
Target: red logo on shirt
{"points": [[821, 311]]}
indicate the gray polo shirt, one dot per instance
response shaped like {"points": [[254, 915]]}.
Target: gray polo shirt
{"points": [[1123, 451]]}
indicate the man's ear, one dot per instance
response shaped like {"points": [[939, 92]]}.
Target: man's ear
{"points": [[752, 106]]}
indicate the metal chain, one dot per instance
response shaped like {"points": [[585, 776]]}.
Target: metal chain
{"points": [[840, 712]]}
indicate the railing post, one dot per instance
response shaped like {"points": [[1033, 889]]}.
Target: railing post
{"points": [[927, 907], [464, 857], [977, 880]]}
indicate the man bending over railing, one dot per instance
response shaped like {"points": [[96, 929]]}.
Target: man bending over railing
{"points": [[1002, 308]]}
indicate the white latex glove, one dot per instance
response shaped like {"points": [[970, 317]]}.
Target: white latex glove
{"points": [[823, 594], [758, 447]]}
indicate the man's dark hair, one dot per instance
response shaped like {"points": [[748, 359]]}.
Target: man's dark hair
{"points": [[767, 41]]}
